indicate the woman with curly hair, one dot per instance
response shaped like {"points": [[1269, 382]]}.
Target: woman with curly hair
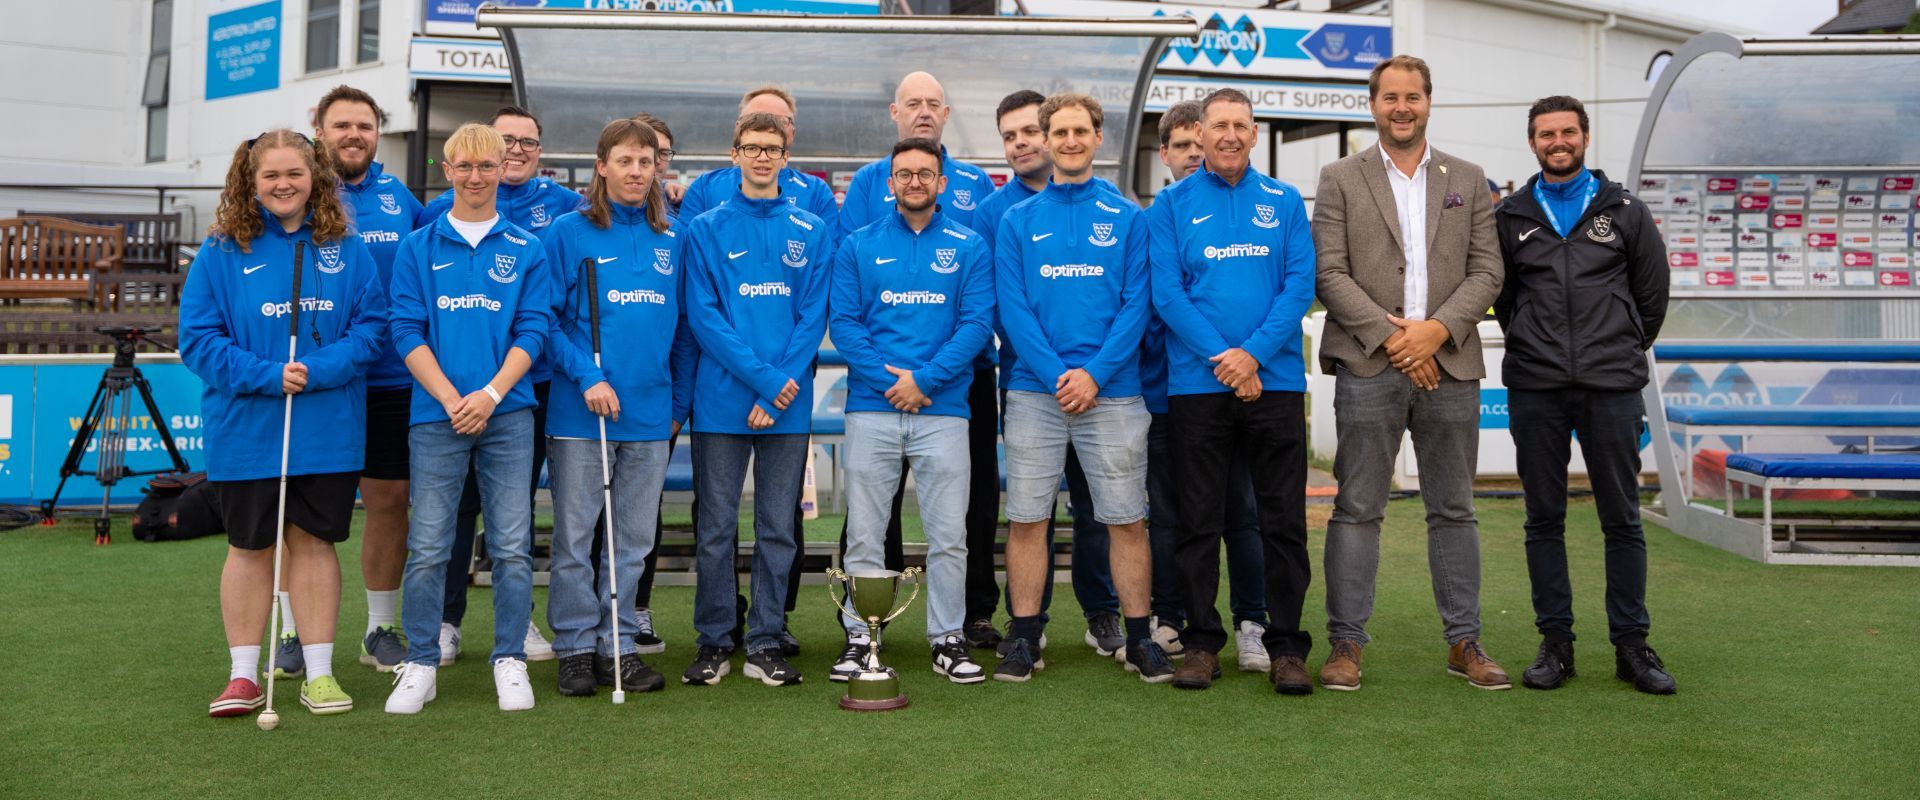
{"points": [[279, 213]]}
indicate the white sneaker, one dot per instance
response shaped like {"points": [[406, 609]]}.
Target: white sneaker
{"points": [[1168, 637], [414, 688], [510, 681], [1253, 651], [537, 647], [449, 643]]}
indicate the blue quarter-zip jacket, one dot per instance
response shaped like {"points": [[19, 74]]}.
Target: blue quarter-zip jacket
{"points": [[233, 334], [870, 200], [469, 305], [986, 220], [533, 206], [916, 301], [757, 302], [1233, 266], [646, 350], [1071, 277], [382, 212], [799, 188]]}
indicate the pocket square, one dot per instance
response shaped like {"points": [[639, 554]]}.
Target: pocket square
{"points": [[1454, 200]]}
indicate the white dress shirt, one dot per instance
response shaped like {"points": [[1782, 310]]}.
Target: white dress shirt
{"points": [[1410, 201]]}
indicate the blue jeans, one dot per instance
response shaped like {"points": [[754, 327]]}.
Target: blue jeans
{"points": [[502, 456], [1246, 565], [1110, 438], [460, 563], [578, 596], [935, 448], [719, 470]]}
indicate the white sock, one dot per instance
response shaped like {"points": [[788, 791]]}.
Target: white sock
{"points": [[286, 616], [246, 662], [319, 658], [382, 609]]}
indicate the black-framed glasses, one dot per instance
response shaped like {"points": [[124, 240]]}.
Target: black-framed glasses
{"points": [[665, 153], [524, 143], [904, 177], [756, 150], [263, 135]]}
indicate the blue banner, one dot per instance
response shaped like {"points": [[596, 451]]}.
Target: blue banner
{"points": [[243, 50], [43, 406]]}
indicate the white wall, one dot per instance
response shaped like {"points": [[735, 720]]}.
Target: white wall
{"points": [[73, 77]]}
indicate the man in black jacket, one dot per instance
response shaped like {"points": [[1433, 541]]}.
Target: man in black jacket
{"points": [[1584, 296]]}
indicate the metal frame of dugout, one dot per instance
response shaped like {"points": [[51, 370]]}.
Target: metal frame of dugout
{"points": [[1782, 174], [578, 69]]}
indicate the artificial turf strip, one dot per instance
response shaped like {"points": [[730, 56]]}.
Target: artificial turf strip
{"points": [[1795, 682]]}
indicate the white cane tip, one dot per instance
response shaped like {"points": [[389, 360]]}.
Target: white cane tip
{"points": [[269, 720], [619, 698]]}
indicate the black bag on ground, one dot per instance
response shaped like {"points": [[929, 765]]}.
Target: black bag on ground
{"points": [[178, 505]]}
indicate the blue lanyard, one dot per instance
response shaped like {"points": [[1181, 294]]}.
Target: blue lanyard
{"points": [[1593, 188]]}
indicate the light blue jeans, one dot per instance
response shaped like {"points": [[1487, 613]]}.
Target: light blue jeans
{"points": [[719, 472], [577, 602], [502, 457], [935, 449], [1110, 438]]}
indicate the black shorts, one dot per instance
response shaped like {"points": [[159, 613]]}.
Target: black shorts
{"points": [[388, 411], [321, 505]]}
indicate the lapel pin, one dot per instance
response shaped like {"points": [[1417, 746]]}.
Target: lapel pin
{"points": [[1443, 169]]}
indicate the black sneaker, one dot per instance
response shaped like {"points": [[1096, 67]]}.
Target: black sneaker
{"points": [[709, 665], [576, 675], [646, 641], [952, 659], [771, 668], [1006, 644], [1018, 663], [852, 658], [635, 675], [1551, 668], [1104, 634], [1149, 661], [1639, 665], [789, 646], [981, 635]]}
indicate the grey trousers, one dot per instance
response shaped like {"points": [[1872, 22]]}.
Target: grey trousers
{"points": [[1370, 415]]}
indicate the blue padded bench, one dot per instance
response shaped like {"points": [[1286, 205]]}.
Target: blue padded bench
{"points": [[1871, 422], [1789, 351], [1770, 471]]}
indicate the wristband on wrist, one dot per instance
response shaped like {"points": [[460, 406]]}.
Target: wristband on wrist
{"points": [[491, 392]]}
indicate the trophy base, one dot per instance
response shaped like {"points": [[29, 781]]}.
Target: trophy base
{"points": [[889, 704]]}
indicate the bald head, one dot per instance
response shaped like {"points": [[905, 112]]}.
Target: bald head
{"points": [[920, 108]]}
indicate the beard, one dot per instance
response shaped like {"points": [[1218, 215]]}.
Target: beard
{"points": [[1555, 176], [916, 207]]}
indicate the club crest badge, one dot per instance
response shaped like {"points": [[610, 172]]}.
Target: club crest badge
{"points": [[796, 255], [663, 261], [389, 205], [963, 199], [330, 262], [1263, 217], [943, 260], [1602, 230], [1103, 235], [539, 214], [503, 269]]}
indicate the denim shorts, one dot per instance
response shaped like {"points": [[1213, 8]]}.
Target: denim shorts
{"points": [[1110, 438]]}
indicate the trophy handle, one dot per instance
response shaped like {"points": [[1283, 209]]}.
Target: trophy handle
{"points": [[909, 573], [834, 576]]}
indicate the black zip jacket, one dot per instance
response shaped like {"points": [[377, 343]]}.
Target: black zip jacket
{"points": [[1580, 312]]}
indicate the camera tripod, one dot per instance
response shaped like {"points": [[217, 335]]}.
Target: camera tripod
{"points": [[110, 413]]}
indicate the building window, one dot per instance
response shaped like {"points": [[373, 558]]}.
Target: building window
{"points": [[154, 91], [369, 36], [323, 34]]}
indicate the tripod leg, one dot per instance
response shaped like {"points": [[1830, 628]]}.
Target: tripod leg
{"points": [[96, 408], [159, 422]]}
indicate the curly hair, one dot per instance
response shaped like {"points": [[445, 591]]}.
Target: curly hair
{"points": [[238, 217]]}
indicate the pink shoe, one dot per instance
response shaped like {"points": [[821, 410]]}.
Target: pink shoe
{"points": [[241, 698]]}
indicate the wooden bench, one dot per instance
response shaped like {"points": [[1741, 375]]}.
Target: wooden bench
{"points": [[153, 240], [47, 257]]}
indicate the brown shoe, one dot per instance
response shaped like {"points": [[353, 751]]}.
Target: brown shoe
{"points": [[1341, 673], [1198, 671], [1289, 675], [1467, 660]]}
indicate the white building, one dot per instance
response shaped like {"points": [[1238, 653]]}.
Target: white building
{"points": [[161, 91]]}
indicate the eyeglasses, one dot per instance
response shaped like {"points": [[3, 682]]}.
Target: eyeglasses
{"points": [[484, 168], [752, 151], [521, 142], [665, 153], [904, 177]]}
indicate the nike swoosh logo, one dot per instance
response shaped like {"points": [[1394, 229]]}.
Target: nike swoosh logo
{"points": [[607, 259], [1039, 236], [250, 270], [885, 260], [1198, 220], [887, 199], [1523, 237], [731, 254], [443, 266]]}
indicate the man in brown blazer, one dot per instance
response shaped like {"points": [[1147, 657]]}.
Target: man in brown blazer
{"points": [[1408, 265]]}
